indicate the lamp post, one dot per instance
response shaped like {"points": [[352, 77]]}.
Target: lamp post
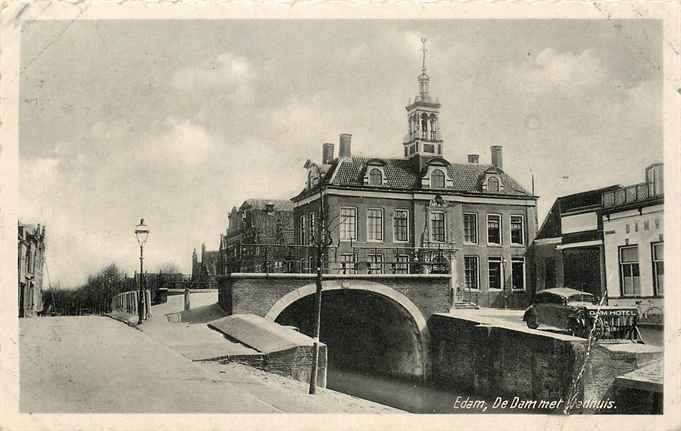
{"points": [[142, 233]]}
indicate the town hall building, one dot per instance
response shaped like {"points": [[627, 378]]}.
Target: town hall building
{"points": [[421, 213]]}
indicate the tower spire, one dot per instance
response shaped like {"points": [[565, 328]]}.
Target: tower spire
{"points": [[423, 137], [424, 79]]}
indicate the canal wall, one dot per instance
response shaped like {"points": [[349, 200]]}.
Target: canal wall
{"points": [[497, 359]]}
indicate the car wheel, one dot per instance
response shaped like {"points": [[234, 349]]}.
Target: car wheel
{"points": [[531, 320]]}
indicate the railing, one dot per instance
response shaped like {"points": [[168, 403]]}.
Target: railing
{"points": [[126, 302], [259, 258], [627, 195]]}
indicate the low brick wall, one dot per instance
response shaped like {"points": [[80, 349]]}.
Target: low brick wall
{"points": [[498, 361], [294, 363], [493, 361]]}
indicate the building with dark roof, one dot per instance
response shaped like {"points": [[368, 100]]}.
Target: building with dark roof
{"points": [[383, 213], [256, 223], [31, 261], [607, 241]]}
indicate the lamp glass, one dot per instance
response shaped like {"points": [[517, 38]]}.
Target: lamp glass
{"points": [[142, 233]]}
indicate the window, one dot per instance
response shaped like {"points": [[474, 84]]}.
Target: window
{"points": [[518, 273], [493, 184], [549, 273], [437, 179], [401, 226], [494, 229], [302, 231], [629, 271], [494, 273], [471, 273], [658, 268], [348, 224], [311, 225], [402, 265], [375, 177], [517, 230], [375, 263], [437, 222], [347, 263], [374, 224], [470, 228], [28, 260], [428, 148]]}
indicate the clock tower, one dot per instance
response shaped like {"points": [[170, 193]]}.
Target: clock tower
{"points": [[423, 114]]}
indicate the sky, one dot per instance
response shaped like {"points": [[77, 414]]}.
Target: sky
{"points": [[179, 121]]}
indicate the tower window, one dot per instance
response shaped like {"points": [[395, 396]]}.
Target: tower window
{"points": [[375, 177], [437, 179], [428, 148]]}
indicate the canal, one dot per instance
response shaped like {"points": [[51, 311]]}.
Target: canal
{"points": [[402, 394]]}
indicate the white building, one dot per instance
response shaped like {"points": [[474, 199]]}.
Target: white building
{"points": [[633, 238]]}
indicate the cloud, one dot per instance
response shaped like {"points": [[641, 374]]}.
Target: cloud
{"points": [[179, 140], [230, 75], [565, 73]]}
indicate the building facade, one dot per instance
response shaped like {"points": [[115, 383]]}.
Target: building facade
{"points": [[633, 239], [31, 262], [421, 213], [608, 241], [205, 268], [257, 235], [568, 250]]}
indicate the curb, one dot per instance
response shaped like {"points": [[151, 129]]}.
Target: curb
{"points": [[124, 320]]}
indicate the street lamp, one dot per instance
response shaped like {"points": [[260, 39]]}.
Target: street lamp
{"points": [[142, 233]]}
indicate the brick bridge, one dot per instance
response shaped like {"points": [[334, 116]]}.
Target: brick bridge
{"points": [[370, 322]]}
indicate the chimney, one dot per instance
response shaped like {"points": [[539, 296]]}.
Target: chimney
{"points": [[327, 153], [473, 158], [345, 149], [497, 159]]}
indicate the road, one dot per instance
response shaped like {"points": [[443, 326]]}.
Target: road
{"points": [[92, 364], [95, 364], [652, 335]]}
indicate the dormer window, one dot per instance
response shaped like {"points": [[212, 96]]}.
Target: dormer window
{"points": [[374, 173], [437, 179], [493, 184], [375, 177], [491, 181]]}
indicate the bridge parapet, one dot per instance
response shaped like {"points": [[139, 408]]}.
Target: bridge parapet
{"points": [[258, 293]]}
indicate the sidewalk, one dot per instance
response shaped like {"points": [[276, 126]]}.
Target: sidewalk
{"points": [[193, 339]]}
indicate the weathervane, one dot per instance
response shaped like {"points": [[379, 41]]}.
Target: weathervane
{"points": [[424, 50]]}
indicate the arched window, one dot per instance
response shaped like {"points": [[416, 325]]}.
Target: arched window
{"points": [[433, 127], [493, 184], [375, 177], [437, 179]]}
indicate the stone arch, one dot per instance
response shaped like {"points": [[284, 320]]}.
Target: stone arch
{"points": [[368, 286], [379, 289]]}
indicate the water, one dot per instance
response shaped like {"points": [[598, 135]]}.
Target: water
{"points": [[410, 396]]}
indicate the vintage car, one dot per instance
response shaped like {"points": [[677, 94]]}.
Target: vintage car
{"points": [[579, 313]]}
